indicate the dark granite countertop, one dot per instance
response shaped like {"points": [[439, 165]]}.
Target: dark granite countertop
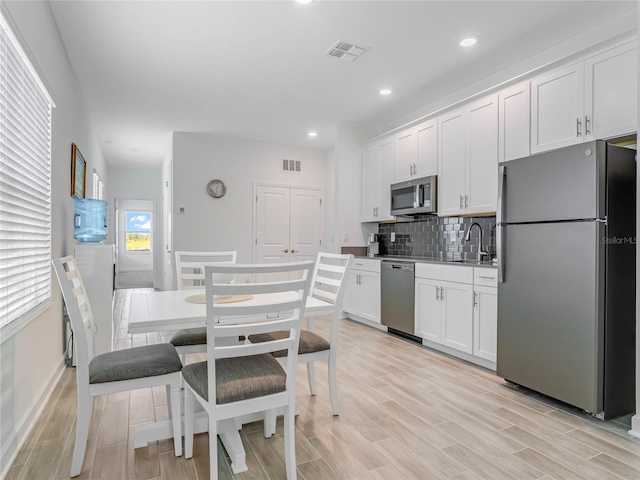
{"points": [[443, 261]]}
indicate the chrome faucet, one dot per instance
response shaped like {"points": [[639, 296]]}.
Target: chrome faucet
{"points": [[467, 237]]}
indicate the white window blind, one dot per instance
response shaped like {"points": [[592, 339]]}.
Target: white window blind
{"points": [[97, 186], [25, 183]]}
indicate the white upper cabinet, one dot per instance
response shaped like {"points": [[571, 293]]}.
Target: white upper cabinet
{"points": [[482, 156], [514, 105], [593, 99], [406, 155], [557, 109], [370, 182], [468, 159], [387, 158], [417, 152], [377, 175], [451, 163], [427, 149], [611, 92]]}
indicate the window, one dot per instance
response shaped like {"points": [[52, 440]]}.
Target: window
{"points": [[25, 183], [138, 232], [97, 186]]}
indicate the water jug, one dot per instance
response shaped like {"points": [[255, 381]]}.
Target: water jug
{"points": [[90, 220]]}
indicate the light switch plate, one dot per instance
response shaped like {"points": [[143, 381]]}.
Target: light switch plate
{"points": [[393, 237], [452, 236]]}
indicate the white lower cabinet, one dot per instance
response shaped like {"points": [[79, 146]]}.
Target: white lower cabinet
{"points": [[485, 322], [362, 296], [456, 310]]}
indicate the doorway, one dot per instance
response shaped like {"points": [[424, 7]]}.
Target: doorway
{"points": [[135, 243]]}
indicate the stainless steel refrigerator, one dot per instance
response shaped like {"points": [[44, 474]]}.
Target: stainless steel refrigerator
{"points": [[565, 238]]}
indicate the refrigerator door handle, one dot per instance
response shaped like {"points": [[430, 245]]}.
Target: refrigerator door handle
{"points": [[502, 176]]}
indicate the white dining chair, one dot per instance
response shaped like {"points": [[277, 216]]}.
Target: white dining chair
{"points": [[245, 378], [122, 370], [190, 275], [328, 285]]}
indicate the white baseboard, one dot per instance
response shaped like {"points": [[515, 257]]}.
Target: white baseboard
{"points": [[19, 435]]}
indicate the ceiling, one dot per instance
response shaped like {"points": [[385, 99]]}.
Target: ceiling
{"points": [[257, 70]]}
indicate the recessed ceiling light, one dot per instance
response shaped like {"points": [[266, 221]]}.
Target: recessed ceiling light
{"points": [[303, 2], [468, 42], [313, 134], [385, 91]]}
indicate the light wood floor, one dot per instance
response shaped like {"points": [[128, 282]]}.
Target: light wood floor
{"points": [[406, 412]]}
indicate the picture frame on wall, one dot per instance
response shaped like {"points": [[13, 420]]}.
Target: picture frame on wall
{"points": [[78, 173]]}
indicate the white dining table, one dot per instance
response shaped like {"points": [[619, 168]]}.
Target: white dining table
{"points": [[169, 310]]}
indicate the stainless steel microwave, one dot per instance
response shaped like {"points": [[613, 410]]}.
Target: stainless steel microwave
{"points": [[414, 196]]}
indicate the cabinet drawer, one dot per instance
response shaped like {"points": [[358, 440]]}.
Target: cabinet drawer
{"points": [[368, 265], [485, 276], [445, 273]]}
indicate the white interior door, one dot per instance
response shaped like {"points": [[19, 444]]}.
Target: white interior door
{"points": [[305, 224], [288, 224], [272, 224]]}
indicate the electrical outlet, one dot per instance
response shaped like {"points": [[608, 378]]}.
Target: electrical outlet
{"points": [[346, 237]]}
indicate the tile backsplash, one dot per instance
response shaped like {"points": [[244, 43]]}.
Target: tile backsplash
{"points": [[430, 237]]}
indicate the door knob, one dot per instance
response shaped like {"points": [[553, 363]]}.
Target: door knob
{"points": [[286, 250], [293, 251]]}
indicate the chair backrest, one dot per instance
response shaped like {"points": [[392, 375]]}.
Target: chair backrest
{"points": [[273, 306], [329, 283], [329, 277], [79, 310], [189, 266]]}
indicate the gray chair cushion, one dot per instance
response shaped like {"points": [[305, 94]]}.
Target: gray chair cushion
{"points": [[238, 378], [193, 336], [190, 336], [309, 342], [137, 362]]}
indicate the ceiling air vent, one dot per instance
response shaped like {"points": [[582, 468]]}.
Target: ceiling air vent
{"points": [[291, 165], [346, 51]]}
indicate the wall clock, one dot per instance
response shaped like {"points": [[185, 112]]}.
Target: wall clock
{"points": [[216, 188]]}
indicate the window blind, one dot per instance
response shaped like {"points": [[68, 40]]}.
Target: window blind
{"points": [[97, 186], [25, 183]]}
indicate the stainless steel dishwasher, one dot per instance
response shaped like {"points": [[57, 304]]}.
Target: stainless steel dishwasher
{"points": [[398, 297]]}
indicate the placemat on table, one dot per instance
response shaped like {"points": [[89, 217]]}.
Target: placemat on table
{"points": [[201, 298]]}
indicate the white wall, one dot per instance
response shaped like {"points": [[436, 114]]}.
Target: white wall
{"points": [[32, 359], [348, 188], [227, 223]]}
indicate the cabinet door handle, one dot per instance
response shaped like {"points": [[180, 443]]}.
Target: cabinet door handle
{"points": [[441, 293], [293, 251], [437, 293], [460, 201], [487, 278], [475, 299], [466, 201], [578, 127], [286, 250], [415, 168], [586, 125], [359, 279]]}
